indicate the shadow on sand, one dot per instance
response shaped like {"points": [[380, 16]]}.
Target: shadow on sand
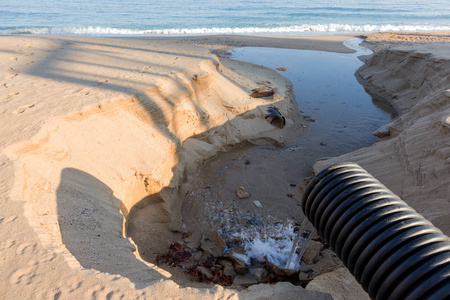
{"points": [[91, 222]]}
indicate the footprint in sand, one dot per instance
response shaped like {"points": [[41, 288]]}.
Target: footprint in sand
{"points": [[11, 76], [77, 93], [101, 82], [23, 108], [145, 69], [102, 292], [75, 286], [7, 244], [26, 248], [10, 219], [24, 275]]}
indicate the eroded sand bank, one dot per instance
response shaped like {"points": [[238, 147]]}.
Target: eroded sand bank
{"points": [[92, 128]]}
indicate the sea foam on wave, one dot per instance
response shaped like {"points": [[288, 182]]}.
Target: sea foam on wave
{"points": [[93, 30]]}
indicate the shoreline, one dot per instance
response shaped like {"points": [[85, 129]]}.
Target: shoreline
{"points": [[104, 87]]}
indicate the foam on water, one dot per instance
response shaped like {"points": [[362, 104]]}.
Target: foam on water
{"points": [[181, 17], [123, 17], [306, 28], [273, 243]]}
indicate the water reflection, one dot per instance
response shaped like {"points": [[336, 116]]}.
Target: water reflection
{"points": [[327, 91]]}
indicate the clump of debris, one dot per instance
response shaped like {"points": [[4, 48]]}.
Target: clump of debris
{"points": [[207, 258]]}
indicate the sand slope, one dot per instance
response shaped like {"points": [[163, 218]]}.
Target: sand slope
{"points": [[93, 128], [413, 160]]}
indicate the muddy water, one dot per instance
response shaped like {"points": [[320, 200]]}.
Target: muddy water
{"points": [[342, 115]]}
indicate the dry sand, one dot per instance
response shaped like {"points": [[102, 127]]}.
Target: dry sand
{"points": [[98, 130]]}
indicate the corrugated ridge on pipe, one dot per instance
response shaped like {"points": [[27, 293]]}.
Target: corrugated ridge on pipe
{"points": [[392, 250]]}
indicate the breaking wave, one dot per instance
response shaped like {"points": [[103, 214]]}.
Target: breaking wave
{"points": [[92, 30]]}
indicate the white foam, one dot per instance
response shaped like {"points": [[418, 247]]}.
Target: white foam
{"points": [[355, 45], [273, 242], [305, 28]]}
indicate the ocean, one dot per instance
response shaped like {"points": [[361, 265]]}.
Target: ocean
{"points": [[182, 17]]}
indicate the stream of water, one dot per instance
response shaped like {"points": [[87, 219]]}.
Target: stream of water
{"points": [[343, 117]]}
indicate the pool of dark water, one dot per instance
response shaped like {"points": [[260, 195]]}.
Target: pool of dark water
{"points": [[344, 115]]}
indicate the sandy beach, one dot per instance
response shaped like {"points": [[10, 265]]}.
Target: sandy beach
{"points": [[101, 136]]}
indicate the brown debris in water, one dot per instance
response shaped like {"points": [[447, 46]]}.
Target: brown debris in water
{"points": [[205, 262], [262, 92], [176, 255]]}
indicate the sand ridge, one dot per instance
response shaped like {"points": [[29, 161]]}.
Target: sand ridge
{"points": [[150, 123]]}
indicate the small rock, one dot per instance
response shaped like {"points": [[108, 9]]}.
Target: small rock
{"points": [[447, 93], [257, 204], [280, 272], [324, 264], [198, 256], [194, 77], [242, 193], [239, 265], [254, 221], [212, 244], [306, 273], [206, 272], [262, 92], [192, 238], [192, 245], [260, 273], [245, 280], [305, 268], [228, 269], [312, 252], [446, 121]]}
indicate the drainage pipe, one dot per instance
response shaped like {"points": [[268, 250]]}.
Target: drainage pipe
{"points": [[392, 251]]}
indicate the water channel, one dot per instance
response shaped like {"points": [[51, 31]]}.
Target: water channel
{"points": [[328, 92], [343, 117]]}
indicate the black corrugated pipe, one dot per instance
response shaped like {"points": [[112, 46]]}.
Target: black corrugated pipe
{"points": [[392, 251]]}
